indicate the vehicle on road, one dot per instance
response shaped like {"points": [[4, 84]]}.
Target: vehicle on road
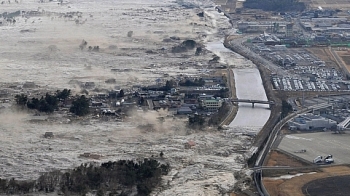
{"points": [[318, 159], [329, 161]]}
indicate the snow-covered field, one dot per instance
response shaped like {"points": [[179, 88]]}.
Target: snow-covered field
{"points": [[45, 49]]}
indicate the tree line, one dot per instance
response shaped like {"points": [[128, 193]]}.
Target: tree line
{"points": [[114, 178], [49, 102], [195, 82], [275, 5]]}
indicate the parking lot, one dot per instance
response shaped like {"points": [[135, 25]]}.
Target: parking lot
{"points": [[297, 84], [306, 71], [318, 144], [335, 100]]}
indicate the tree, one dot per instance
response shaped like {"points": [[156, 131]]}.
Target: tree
{"points": [[63, 95], [21, 99], [275, 5], [198, 51], [141, 101], [169, 84], [196, 120], [34, 103], [121, 93], [80, 106], [44, 106], [223, 92], [217, 118], [51, 100], [286, 108]]}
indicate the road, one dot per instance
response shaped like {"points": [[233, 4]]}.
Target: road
{"points": [[339, 61], [257, 176], [237, 43]]}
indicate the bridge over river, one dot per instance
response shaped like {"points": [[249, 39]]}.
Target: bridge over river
{"points": [[252, 101]]}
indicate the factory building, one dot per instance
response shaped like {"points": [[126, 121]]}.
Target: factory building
{"points": [[310, 122], [289, 30]]}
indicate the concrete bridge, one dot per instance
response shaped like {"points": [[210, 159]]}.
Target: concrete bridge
{"points": [[252, 101]]}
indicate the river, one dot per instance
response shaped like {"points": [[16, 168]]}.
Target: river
{"points": [[248, 86]]}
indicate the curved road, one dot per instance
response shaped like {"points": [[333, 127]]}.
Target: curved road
{"points": [[271, 139]]}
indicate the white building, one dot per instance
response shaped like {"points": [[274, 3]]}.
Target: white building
{"points": [[310, 121], [343, 125], [212, 104]]}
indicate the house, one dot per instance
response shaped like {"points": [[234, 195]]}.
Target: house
{"points": [[184, 111], [112, 94], [204, 96], [96, 104], [48, 135], [190, 144], [89, 85], [156, 105]]}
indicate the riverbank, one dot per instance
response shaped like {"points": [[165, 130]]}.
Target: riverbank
{"points": [[234, 107], [275, 109]]}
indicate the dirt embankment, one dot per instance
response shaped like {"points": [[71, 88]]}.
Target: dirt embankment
{"points": [[234, 108], [277, 158]]}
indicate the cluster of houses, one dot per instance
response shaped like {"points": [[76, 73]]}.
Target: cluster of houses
{"points": [[177, 101], [182, 104]]}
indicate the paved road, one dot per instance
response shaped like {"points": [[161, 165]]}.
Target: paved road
{"points": [[271, 140]]}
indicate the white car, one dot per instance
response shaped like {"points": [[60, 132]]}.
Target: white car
{"points": [[318, 159], [329, 161]]}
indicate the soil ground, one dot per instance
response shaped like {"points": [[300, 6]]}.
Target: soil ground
{"points": [[328, 186], [345, 58], [277, 158], [325, 55], [293, 186]]}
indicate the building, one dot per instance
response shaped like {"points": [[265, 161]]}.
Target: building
{"points": [[184, 111], [212, 104], [310, 122], [289, 30], [215, 79], [205, 96], [344, 125], [48, 135], [270, 26], [328, 20]]}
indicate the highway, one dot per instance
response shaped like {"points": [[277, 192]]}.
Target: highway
{"points": [[257, 176]]}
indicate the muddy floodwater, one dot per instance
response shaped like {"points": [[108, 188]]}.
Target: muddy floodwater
{"points": [[43, 52]]}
